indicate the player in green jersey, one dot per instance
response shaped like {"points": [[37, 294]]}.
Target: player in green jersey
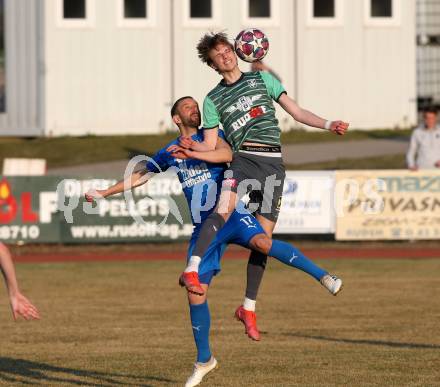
{"points": [[243, 104]]}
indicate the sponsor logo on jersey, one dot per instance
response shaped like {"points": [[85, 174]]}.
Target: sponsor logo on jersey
{"points": [[254, 113], [243, 104], [252, 83], [193, 175]]}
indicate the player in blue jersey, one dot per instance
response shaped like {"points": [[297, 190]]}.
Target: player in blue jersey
{"points": [[201, 176]]}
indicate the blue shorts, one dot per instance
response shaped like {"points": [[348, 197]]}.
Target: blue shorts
{"points": [[206, 278], [240, 228]]}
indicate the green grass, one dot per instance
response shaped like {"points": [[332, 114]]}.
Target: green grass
{"points": [[302, 136], [71, 151], [108, 324], [377, 162]]}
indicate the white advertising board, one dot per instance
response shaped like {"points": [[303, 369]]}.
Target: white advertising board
{"points": [[307, 205]]}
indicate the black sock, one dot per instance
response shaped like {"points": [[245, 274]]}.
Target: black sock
{"points": [[210, 227], [255, 270]]}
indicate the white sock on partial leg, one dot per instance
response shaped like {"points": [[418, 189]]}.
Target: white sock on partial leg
{"points": [[193, 264], [249, 304]]}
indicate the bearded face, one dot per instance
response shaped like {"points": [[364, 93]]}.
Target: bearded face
{"points": [[189, 113]]}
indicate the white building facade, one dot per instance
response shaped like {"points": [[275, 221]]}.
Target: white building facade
{"points": [[77, 67]]}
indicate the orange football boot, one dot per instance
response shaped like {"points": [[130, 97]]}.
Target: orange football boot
{"points": [[249, 319], [191, 282]]}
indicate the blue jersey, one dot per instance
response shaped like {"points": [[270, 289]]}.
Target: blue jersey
{"points": [[201, 181]]}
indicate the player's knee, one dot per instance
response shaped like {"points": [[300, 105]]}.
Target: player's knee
{"points": [[195, 299], [262, 244], [224, 216]]}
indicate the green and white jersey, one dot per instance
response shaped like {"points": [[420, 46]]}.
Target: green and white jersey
{"points": [[245, 109]]}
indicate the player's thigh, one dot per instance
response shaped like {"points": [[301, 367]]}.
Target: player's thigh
{"points": [[226, 203], [267, 224], [244, 228], [239, 171], [272, 194], [267, 175]]}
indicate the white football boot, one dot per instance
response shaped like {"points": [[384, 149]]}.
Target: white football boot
{"points": [[332, 283], [200, 370]]}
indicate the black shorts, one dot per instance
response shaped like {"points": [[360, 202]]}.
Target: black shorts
{"points": [[260, 176]]}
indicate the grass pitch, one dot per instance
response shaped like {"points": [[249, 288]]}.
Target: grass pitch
{"points": [[377, 162], [70, 151], [126, 324]]}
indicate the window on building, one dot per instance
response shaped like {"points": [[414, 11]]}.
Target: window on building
{"points": [[383, 13], [200, 8], [381, 8], [324, 8], [74, 9], [135, 9], [259, 8]]}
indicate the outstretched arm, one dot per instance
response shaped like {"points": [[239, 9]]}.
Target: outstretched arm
{"points": [[309, 118], [136, 179], [209, 143], [221, 154], [20, 305]]}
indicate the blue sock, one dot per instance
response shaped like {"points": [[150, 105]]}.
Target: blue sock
{"points": [[201, 322], [291, 256]]}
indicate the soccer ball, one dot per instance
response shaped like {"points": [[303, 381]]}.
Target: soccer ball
{"points": [[251, 45]]}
